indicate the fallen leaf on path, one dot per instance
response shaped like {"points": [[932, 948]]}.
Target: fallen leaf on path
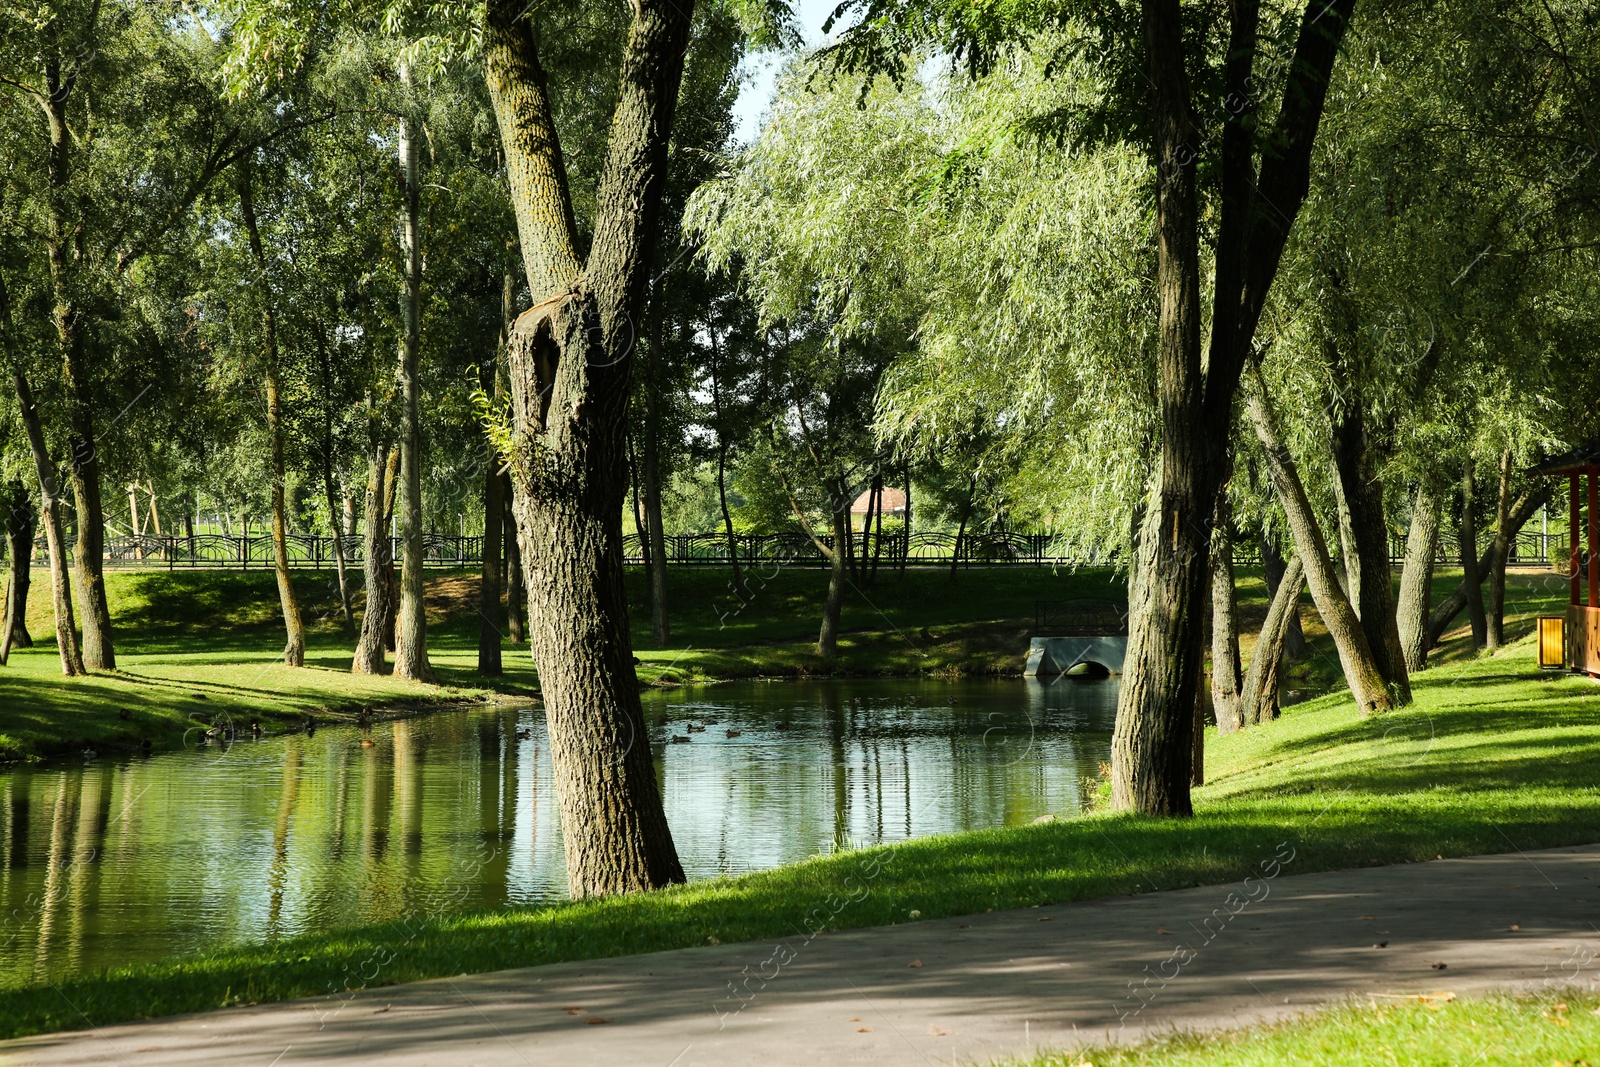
{"points": [[573, 1011], [1162, 930], [914, 963], [1381, 944], [863, 1029], [1046, 918], [383, 1009], [1366, 916], [1440, 966], [596, 1021], [1514, 926], [938, 1031]]}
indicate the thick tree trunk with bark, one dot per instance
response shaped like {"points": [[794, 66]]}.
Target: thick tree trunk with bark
{"points": [[294, 651], [1495, 609], [1259, 697], [1355, 655], [1372, 588], [1275, 566], [571, 366], [1151, 744], [1416, 578], [1227, 671], [1471, 576], [411, 620], [370, 645]]}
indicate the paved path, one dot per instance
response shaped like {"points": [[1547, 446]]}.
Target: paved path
{"points": [[946, 991]]}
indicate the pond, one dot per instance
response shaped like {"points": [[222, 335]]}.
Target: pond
{"points": [[120, 861]]}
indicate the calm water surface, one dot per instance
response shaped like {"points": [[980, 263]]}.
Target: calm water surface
{"points": [[126, 860]]}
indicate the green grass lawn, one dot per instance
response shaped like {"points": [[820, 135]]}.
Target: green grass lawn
{"points": [[1552, 1030], [1493, 756]]}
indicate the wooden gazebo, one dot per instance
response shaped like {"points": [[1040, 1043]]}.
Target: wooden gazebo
{"points": [[1581, 468]]}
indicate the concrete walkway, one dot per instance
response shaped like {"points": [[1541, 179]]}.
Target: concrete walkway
{"points": [[946, 991]]}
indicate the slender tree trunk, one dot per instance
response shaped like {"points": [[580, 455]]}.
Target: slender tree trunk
{"points": [[1471, 576], [828, 635], [1416, 578], [516, 587], [1274, 565], [294, 651], [49, 495], [722, 463], [20, 524], [411, 628], [1372, 588], [370, 646], [905, 528], [961, 530], [342, 566], [571, 368], [1197, 744], [1259, 696], [1227, 672], [489, 585], [1355, 654], [1495, 610], [660, 621], [1522, 509]]}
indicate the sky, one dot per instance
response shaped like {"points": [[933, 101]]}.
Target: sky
{"points": [[759, 73]]}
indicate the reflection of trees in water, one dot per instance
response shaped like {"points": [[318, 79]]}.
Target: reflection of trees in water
{"points": [[18, 812], [408, 790], [278, 872]]}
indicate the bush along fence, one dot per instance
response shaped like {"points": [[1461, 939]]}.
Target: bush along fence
{"points": [[891, 550]]}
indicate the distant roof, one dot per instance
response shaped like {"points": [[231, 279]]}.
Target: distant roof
{"points": [[1578, 459], [893, 502]]}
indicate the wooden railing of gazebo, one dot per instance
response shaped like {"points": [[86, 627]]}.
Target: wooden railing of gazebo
{"points": [[1581, 468]]}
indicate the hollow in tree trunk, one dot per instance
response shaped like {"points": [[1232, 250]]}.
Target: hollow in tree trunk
{"points": [[1416, 578], [294, 651], [571, 361], [1471, 576], [1259, 696]]}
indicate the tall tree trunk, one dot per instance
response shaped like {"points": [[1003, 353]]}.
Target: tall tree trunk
{"points": [[833, 606], [1227, 671], [1151, 744], [411, 623], [1495, 610], [655, 531], [370, 645], [1416, 577], [1259, 697], [1275, 566], [98, 651], [294, 650], [571, 368], [337, 534], [1471, 576], [722, 462], [961, 530], [49, 494], [489, 610], [1522, 509], [21, 521], [905, 528], [516, 587], [1355, 654], [1372, 586]]}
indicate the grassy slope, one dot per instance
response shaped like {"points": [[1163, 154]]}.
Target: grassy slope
{"points": [[1492, 756]]}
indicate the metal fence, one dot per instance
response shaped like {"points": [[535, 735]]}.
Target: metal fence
{"points": [[891, 550]]}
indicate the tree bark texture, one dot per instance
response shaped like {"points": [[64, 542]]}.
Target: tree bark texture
{"points": [[1151, 743], [571, 358], [411, 621], [1227, 671], [21, 521], [1416, 578], [1355, 655], [516, 589], [1262, 681], [1471, 575], [490, 613], [370, 645], [1372, 587], [294, 650], [49, 496], [833, 606], [1495, 609], [1275, 566]]}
